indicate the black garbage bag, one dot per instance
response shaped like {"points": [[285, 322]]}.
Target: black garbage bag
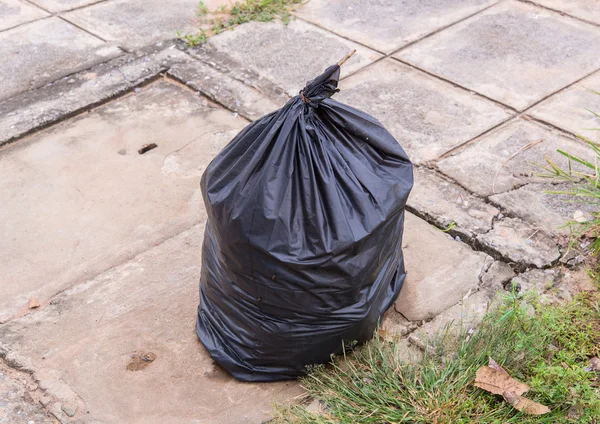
{"points": [[303, 243]]}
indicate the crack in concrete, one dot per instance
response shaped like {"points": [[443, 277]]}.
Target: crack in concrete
{"points": [[460, 148], [508, 108], [25, 23], [79, 281], [52, 403], [193, 89], [473, 242], [86, 108], [61, 118], [27, 380], [13, 361]]}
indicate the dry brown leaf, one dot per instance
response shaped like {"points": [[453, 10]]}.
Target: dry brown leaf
{"points": [[495, 379], [493, 364], [33, 303], [498, 382], [525, 405]]}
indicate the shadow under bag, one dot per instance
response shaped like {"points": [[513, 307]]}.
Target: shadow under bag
{"points": [[303, 243]]}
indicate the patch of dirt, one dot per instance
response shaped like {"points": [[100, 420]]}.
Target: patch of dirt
{"points": [[140, 361]]}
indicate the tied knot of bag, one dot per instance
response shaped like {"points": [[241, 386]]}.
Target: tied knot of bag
{"points": [[322, 87]]}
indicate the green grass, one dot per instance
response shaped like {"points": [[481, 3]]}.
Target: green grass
{"points": [[255, 10], [201, 9], [584, 188], [193, 40], [548, 350], [241, 12]]}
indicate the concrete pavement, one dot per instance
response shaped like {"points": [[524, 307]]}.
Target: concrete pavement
{"points": [[107, 240]]}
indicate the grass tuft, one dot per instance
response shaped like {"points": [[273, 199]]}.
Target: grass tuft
{"points": [[584, 188], [214, 22], [193, 40], [548, 350], [255, 10]]}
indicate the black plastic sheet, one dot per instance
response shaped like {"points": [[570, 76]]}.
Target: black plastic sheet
{"points": [[303, 242]]}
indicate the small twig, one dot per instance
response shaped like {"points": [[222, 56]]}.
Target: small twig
{"points": [[424, 347], [345, 58], [518, 152]]}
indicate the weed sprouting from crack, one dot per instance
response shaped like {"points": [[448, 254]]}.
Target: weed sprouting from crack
{"points": [[546, 346], [225, 18]]}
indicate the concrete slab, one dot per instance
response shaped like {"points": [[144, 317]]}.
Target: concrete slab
{"points": [[66, 5], [18, 401], [448, 329], [570, 109], [220, 87], [513, 52], [143, 308], [521, 243], [449, 205], [290, 55], [427, 116], [536, 205], [45, 50], [55, 6], [505, 158], [387, 25], [468, 313], [79, 198], [465, 315], [136, 23], [440, 270], [16, 12], [583, 9], [60, 99], [496, 277], [238, 71]]}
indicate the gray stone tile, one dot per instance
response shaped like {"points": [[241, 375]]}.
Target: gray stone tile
{"points": [[448, 204], [570, 109], [46, 105], [496, 277], [237, 70], [588, 10], [513, 52], [55, 6], [79, 199], [427, 116], [440, 270], [90, 334], [451, 323], [16, 12], [501, 161], [136, 23], [521, 243], [535, 204], [233, 94], [389, 24], [290, 55], [42, 51]]}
